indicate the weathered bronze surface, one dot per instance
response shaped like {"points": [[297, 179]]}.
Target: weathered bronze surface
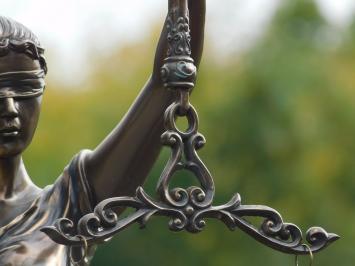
{"points": [[120, 163], [91, 176], [187, 208]]}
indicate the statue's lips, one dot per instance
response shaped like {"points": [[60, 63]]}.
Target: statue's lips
{"points": [[9, 131]]}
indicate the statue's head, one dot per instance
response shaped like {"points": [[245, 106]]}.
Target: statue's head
{"points": [[22, 71]]}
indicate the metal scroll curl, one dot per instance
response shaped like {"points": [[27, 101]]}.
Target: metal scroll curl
{"points": [[187, 208], [103, 223]]}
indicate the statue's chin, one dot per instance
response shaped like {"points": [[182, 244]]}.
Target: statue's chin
{"points": [[11, 146]]}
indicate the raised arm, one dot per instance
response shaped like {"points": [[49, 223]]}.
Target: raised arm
{"points": [[124, 158]]}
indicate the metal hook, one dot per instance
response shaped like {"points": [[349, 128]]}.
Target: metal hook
{"points": [[311, 256], [83, 257]]}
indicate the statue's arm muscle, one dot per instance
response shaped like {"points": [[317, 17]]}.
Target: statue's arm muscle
{"points": [[124, 158]]}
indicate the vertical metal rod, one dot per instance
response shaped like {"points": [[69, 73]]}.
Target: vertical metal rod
{"points": [[179, 8]]}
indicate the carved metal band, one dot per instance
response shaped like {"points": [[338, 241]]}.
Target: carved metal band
{"points": [[187, 208], [179, 38], [179, 70]]}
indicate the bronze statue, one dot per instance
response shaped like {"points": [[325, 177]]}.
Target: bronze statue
{"points": [[116, 167], [187, 208]]}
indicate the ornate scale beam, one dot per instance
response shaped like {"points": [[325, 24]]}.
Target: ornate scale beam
{"points": [[187, 208]]}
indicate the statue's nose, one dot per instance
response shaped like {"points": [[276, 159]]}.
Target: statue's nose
{"points": [[8, 107]]}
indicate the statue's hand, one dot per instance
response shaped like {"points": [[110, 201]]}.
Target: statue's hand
{"points": [[197, 10]]}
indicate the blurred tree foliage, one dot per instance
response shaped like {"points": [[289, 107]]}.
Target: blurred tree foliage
{"points": [[280, 126]]}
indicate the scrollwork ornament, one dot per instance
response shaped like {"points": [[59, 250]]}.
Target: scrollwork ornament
{"points": [[179, 38], [188, 208]]}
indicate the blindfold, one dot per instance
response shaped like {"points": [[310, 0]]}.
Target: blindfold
{"points": [[22, 84]]}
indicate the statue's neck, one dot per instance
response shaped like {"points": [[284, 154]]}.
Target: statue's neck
{"points": [[13, 177]]}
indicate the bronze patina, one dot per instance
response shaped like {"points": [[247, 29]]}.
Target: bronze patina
{"points": [[188, 208], [79, 210], [91, 176]]}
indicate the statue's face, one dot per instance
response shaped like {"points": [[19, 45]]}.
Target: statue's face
{"points": [[18, 115]]}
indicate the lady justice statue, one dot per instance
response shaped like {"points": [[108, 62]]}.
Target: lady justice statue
{"points": [[118, 165], [79, 210]]}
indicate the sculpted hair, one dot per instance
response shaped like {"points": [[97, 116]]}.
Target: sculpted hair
{"points": [[17, 38]]}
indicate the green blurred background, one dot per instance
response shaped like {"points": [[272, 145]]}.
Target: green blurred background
{"points": [[280, 127]]}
